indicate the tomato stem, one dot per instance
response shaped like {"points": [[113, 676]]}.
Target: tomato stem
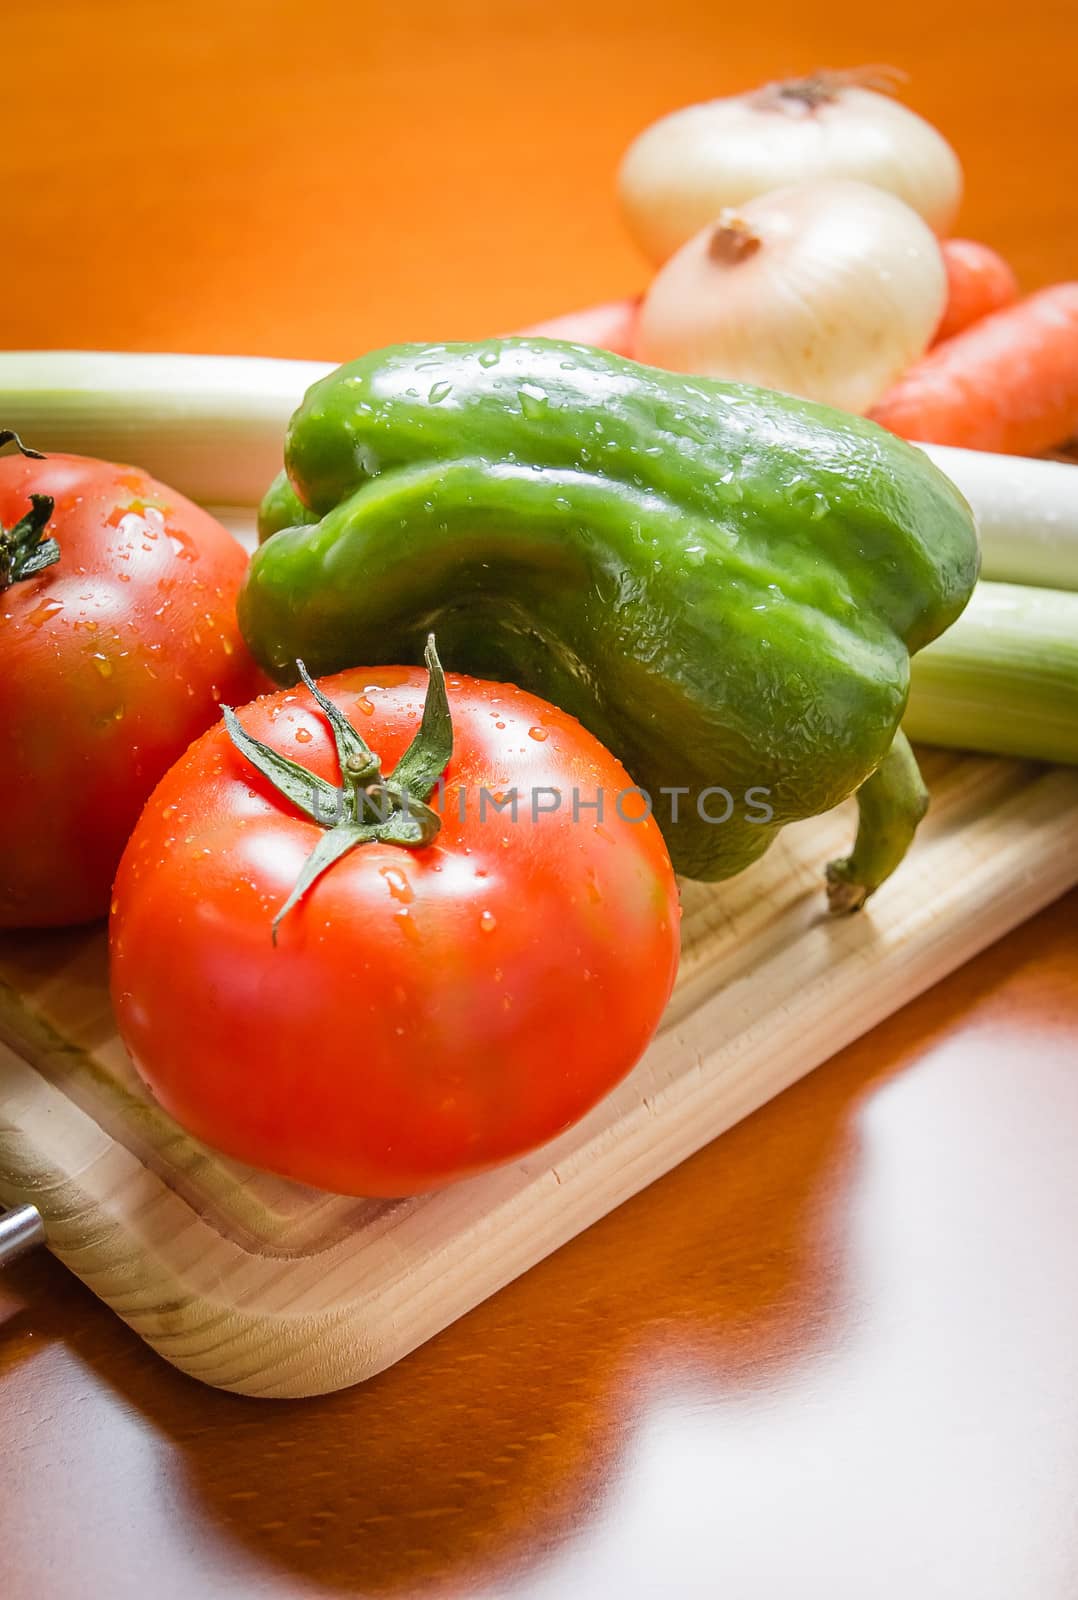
{"points": [[364, 806], [24, 549], [9, 436]]}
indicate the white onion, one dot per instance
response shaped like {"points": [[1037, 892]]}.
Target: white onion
{"points": [[686, 168], [825, 290]]}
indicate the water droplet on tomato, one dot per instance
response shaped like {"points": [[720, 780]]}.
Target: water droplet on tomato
{"points": [[303, 735], [538, 733], [43, 611], [398, 884], [103, 665], [181, 546], [499, 724], [365, 705], [488, 922]]}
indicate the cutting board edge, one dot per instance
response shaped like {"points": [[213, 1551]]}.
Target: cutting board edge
{"points": [[280, 1354]]}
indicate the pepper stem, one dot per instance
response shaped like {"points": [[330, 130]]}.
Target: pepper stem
{"points": [[364, 807], [891, 803]]}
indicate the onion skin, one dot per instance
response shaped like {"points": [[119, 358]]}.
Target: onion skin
{"points": [[686, 168], [828, 291]]}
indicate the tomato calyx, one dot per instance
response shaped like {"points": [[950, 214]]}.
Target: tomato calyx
{"points": [[9, 436], [364, 806], [24, 549]]}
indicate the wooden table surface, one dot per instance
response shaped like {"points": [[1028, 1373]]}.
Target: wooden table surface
{"points": [[834, 1355]]}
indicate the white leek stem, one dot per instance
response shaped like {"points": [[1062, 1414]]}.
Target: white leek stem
{"points": [[1027, 513], [209, 426], [1003, 678]]}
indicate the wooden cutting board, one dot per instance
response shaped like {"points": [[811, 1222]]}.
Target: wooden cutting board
{"points": [[259, 1285]]}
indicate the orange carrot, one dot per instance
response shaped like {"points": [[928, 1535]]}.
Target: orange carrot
{"points": [[611, 326], [1008, 383], [979, 282]]}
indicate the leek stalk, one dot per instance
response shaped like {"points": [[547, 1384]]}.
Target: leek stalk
{"points": [[210, 426], [1003, 678]]}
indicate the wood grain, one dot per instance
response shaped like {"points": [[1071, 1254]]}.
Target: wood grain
{"points": [[832, 1354], [255, 1284]]}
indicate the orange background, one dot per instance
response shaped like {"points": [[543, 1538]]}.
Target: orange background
{"points": [[312, 179]]}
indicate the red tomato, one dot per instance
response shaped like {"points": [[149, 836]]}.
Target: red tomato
{"points": [[426, 1013], [112, 660]]}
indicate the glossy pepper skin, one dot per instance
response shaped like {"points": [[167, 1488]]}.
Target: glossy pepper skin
{"points": [[722, 583]]}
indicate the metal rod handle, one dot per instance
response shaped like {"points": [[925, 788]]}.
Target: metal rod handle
{"points": [[20, 1230]]}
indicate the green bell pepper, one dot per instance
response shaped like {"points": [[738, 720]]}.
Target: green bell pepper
{"points": [[723, 584]]}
